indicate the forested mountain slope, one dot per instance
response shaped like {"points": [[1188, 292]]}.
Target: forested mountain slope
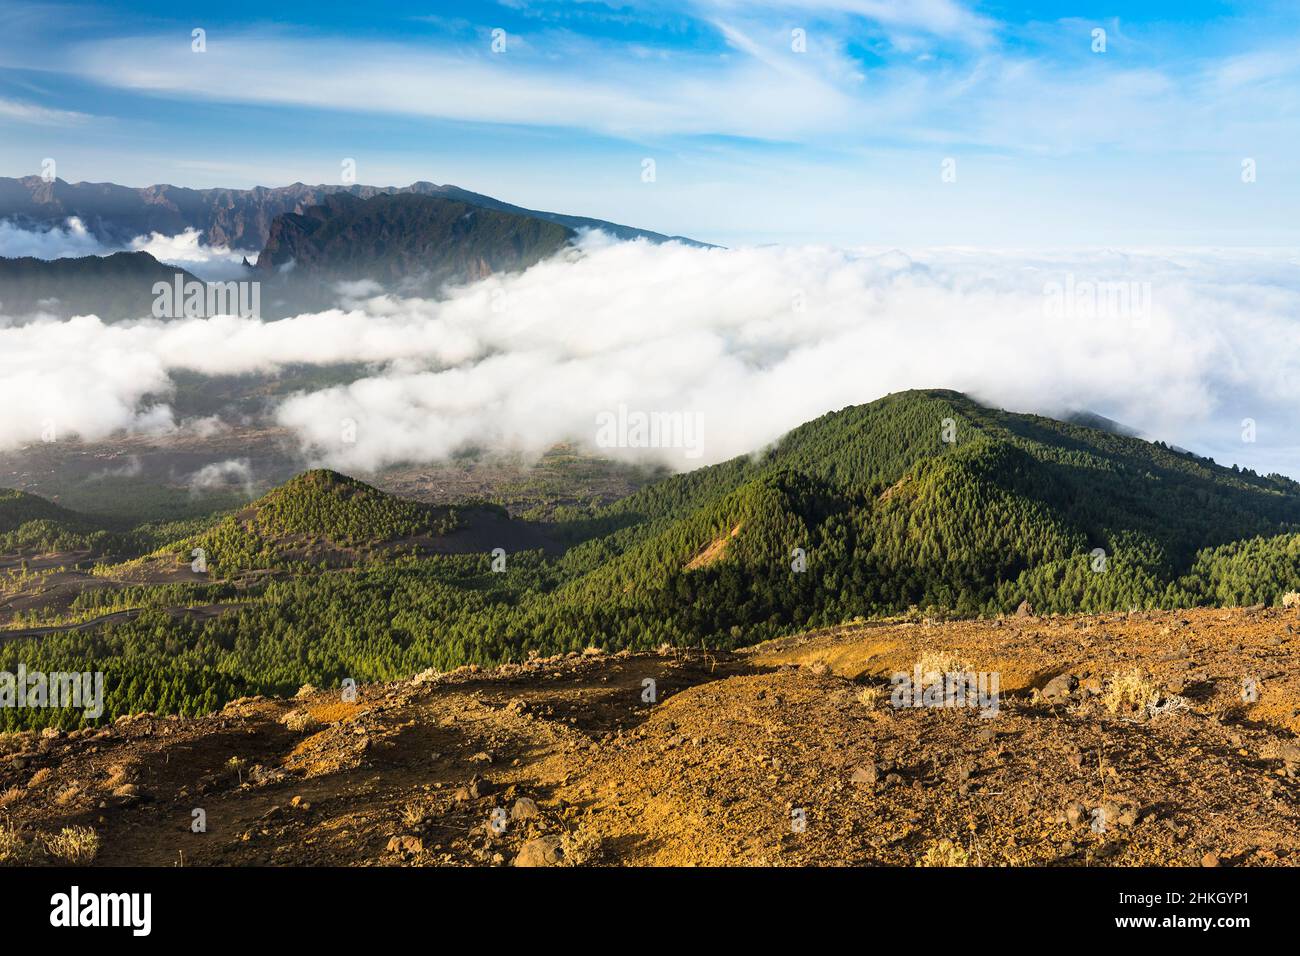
{"points": [[889, 514], [923, 502], [416, 241]]}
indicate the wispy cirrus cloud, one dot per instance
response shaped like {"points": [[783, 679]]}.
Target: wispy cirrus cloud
{"points": [[23, 112], [940, 18], [563, 82], [742, 117], [1056, 97]]}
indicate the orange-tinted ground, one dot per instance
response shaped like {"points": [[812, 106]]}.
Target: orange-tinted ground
{"points": [[790, 754]]}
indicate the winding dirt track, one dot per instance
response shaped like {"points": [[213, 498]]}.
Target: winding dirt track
{"points": [[205, 611]]}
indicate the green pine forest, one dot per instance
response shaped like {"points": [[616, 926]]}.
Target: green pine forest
{"points": [[327, 578]]}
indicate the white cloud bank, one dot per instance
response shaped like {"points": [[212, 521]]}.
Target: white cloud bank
{"points": [[72, 240], [187, 251], [753, 341], [224, 476]]}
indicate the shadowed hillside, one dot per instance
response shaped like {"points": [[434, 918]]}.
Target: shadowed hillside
{"points": [[115, 287]]}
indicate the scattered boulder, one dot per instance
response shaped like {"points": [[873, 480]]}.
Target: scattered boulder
{"points": [[542, 851], [1025, 609], [405, 845], [1109, 813], [525, 808], [1288, 752], [260, 776], [476, 789], [1059, 688], [866, 774]]}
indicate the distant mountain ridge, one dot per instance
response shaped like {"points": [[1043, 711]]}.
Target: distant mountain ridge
{"points": [[235, 218], [411, 242]]}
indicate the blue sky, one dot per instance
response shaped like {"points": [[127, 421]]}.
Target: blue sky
{"points": [[753, 141]]}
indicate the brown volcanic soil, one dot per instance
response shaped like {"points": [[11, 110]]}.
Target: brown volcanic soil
{"points": [[712, 772]]}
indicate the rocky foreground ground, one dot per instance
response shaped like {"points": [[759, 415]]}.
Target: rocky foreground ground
{"points": [[1119, 740]]}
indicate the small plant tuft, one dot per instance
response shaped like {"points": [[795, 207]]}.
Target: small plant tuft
{"points": [[75, 845], [945, 853]]}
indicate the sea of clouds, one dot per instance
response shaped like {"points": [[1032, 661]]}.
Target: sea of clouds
{"points": [[72, 239], [753, 341]]}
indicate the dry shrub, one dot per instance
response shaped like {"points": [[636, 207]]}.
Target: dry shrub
{"points": [[68, 795], [945, 853], [119, 774], [75, 845], [580, 847], [10, 796], [871, 695], [299, 721], [941, 662], [415, 814], [1129, 692], [38, 778], [14, 851]]}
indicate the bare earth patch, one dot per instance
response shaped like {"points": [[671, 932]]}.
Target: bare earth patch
{"points": [[789, 754]]}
